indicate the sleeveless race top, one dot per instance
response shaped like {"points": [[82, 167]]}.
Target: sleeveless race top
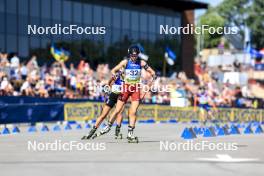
{"points": [[133, 72], [203, 98]]}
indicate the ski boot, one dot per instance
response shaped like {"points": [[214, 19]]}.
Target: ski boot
{"points": [[130, 136], [105, 130], [118, 135], [90, 134]]}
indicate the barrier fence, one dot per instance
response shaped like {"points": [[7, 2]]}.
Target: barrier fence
{"points": [[89, 111], [31, 110]]}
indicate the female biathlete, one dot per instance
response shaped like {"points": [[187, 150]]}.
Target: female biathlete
{"points": [[115, 82], [204, 103], [131, 88]]}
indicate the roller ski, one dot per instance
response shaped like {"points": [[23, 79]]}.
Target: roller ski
{"points": [[90, 135], [118, 135], [105, 130], [130, 136]]}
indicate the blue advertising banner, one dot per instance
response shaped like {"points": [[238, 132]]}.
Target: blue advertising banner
{"points": [[32, 109]]}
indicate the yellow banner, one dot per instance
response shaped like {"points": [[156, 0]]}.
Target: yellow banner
{"points": [[91, 110], [79, 111]]}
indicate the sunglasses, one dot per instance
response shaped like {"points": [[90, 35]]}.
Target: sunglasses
{"points": [[133, 55]]}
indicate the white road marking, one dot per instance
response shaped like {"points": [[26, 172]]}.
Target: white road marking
{"points": [[227, 158]]}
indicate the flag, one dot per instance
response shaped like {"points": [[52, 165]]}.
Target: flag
{"points": [[59, 54], [170, 56], [253, 52], [142, 55]]}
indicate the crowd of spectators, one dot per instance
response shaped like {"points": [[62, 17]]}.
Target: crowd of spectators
{"points": [[59, 80]]}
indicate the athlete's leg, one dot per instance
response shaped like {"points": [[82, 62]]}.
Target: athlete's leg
{"points": [[119, 117], [119, 120], [119, 106], [105, 111], [132, 121], [202, 115], [132, 113]]}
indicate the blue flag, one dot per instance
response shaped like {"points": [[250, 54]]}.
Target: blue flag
{"points": [[253, 52], [170, 56]]}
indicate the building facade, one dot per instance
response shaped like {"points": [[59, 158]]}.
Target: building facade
{"points": [[125, 22]]}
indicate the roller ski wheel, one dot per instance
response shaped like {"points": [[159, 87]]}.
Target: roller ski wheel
{"points": [[119, 136], [132, 140], [96, 135], [89, 136], [84, 138], [101, 133]]}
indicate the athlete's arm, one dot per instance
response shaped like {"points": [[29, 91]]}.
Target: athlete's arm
{"points": [[148, 68], [111, 81], [118, 67]]}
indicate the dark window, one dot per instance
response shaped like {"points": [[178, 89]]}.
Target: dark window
{"points": [[177, 22], [2, 19], [107, 39], [11, 6], [23, 46], [143, 22], [107, 16], [66, 37], [2, 42], [45, 22], [116, 18], [22, 24], [77, 12], [152, 36], [116, 35], [125, 19], [34, 42], [67, 11], [34, 8], [143, 36], [87, 14], [135, 35], [97, 15], [45, 9], [11, 23], [160, 21], [169, 21], [152, 23], [11, 42], [45, 42], [2, 6], [56, 9], [134, 21], [23, 7], [34, 21]]}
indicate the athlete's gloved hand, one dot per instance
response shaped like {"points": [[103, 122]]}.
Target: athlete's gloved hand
{"points": [[106, 89]]}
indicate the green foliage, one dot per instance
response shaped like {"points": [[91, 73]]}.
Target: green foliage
{"points": [[245, 12], [211, 19]]}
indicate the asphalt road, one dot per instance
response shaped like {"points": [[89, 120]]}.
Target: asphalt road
{"points": [[108, 156]]}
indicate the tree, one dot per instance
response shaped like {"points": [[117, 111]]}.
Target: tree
{"points": [[255, 21], [212, 19], [241, 13]]}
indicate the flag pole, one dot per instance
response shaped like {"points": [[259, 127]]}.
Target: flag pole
{"points": [[164, 67]]}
